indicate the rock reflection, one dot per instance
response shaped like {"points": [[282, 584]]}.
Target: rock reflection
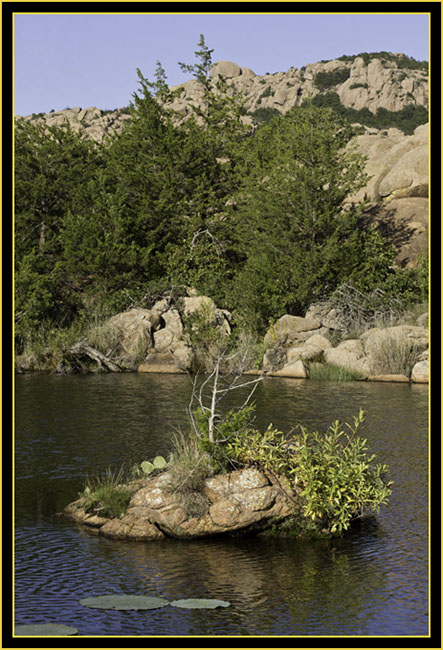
{"points": [[273, 585]]}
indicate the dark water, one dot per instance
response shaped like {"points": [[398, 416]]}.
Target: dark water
{"points": [[372, 582]]}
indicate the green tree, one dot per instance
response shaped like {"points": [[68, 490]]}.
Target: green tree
{"points": [[53, 168], [210, 156], [119, 240], [291, 223]]}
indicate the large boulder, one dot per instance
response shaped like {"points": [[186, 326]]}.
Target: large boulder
{"points": [[294, 369], [290, 330], [169, 336], [376, 337], [350, 355], [132, 330], [420, 372], [391, 350], [162, 362], [226, 69], [191, 305]]}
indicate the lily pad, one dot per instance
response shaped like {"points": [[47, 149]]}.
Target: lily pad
{"points": [[199, 603], [113, 601], [45, 629]]}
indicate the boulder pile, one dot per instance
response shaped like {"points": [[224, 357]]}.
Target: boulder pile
{"points": [[378, 354], [154, 340], [157, 340]]}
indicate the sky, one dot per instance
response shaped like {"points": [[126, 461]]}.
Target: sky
{"points": [[69, 60]]}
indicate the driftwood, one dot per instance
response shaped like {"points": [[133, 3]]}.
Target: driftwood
{"points": [[80, 349]]}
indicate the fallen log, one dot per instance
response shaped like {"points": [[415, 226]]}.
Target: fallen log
{"points": [[81, 349]]}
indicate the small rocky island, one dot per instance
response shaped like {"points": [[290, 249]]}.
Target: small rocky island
{"points": [[225, 477], [239, 502]]}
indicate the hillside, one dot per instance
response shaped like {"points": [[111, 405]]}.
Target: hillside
{"points": [[263, 219], [376, 85]]}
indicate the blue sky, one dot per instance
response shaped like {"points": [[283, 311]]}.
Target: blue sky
{"points": [[63, 60]]}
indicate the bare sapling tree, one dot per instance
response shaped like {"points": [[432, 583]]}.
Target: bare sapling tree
{"points": [[206, 397]]}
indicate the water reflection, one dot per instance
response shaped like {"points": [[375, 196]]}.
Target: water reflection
{"points": [[374, 581]]}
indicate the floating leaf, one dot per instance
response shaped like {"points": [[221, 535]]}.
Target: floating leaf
{"points": [[45, 629], [147, 467], [113, 601], [199, 603], [159, 462]]}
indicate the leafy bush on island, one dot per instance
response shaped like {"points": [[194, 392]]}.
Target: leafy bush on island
{"points": [[332, 477]]}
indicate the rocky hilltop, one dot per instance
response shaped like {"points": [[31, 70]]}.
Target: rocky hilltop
{"points": [[361, 82], [375, 84]]}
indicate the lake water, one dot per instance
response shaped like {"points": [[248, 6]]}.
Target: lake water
{"points": [[372, 582]]}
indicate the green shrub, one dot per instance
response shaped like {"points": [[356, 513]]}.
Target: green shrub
{"points": [[268, 92], [401, 60], [205, 335], [407, 119], [263, 115], [332, 473], [337, 478]]}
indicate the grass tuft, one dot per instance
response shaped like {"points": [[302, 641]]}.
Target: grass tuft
{"points": [[332, 372], [105, 495]]}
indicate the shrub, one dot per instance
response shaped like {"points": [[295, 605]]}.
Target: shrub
{"points": [[204, 333], [337, 478], [401, 60], [325, 80], [268, 92], [332, 473], [407, 119], [263, 115], [357, 311]]}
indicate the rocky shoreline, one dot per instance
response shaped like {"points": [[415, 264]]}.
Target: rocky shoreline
{"points": [[157, 340]]}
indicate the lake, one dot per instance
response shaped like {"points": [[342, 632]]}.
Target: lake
{"points": [[371, 582]]}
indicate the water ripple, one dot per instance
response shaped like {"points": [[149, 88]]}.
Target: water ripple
{"points": [[373, 581]]}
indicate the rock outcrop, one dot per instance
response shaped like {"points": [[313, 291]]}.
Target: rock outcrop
{"points": [[397, 353], [398, 188], [155, 340], [378, 83], [242, 501], [373, 85]]}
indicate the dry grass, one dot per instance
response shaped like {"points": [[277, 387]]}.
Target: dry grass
{"points": [[396, 354]]}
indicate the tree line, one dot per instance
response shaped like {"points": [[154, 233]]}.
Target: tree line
{"points": [[252, 216]]}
